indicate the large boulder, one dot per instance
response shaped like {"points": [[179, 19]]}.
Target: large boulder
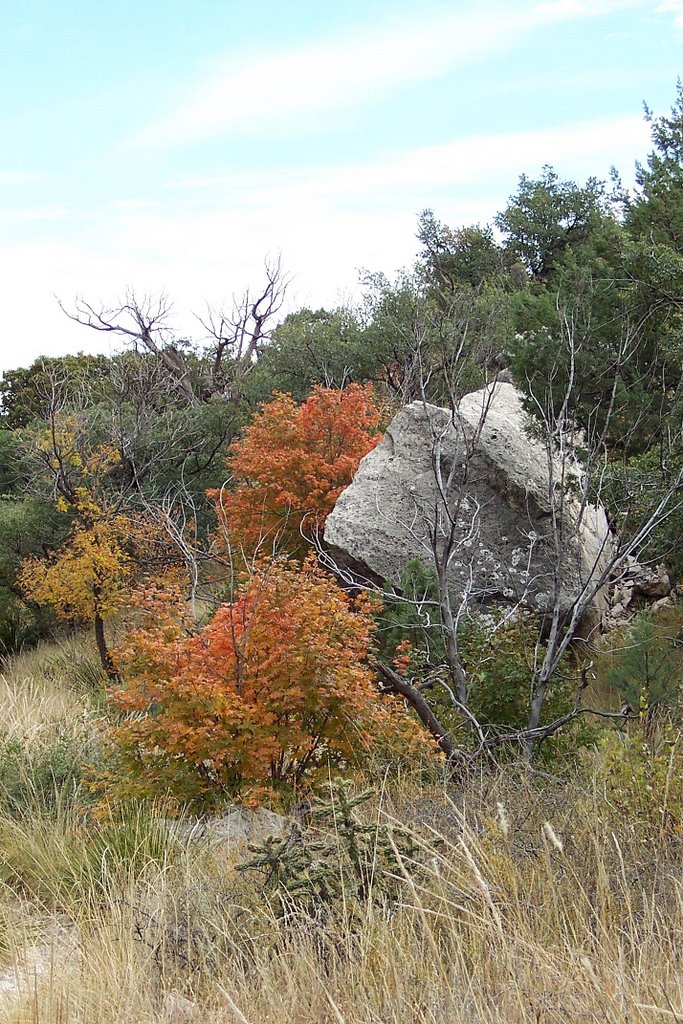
{"points": [[483, 469]]}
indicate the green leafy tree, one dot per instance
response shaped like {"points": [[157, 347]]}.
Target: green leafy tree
{"points": [[655, 212], [27, 528], [26, 393], [453, 258], [433, 345], [29, 525], [547, 217], [310, 347], [646, 669]]}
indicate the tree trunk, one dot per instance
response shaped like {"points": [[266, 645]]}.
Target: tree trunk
{"points": [[535, 709], [397, 684], [105, 656]]}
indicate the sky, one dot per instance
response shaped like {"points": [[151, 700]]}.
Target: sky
{"points": [[173, 146]]}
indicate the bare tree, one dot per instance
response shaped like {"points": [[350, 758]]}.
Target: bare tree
{"points": [[576, 485], [144, 320], [239, 334]]}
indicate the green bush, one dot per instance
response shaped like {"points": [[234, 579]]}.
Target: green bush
{"points": [[40, 781], [633, 489], [641, 778], [645, 663], [499, 657]]}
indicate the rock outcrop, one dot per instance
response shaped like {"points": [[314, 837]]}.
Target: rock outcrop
{"points": [[483, 469], [636, 588]]}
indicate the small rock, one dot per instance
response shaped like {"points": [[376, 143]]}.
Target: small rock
{"points": [[653, 583], [177, 1009], [239, 827]]}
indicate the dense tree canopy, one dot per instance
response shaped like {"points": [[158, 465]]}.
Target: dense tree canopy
{"points": [[291, 464]]}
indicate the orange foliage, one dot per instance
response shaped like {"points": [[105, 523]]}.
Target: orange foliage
{"points": [[292, 463], [272, 693]]}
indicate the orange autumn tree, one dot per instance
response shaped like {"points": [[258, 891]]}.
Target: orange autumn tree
{"points": [[271, 695], [292, 463]]}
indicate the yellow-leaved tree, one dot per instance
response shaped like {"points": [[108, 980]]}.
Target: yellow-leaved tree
{"points": [[108, 552]]}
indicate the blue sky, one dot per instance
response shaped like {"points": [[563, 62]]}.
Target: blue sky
{"points": [[173, 145]]}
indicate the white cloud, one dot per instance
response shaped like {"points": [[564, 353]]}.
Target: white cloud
{"points": [[265, 88], [327, 221], [25, 214], [274, 90], [674, 7], [475, 160], [10, 178], [562, 10]]}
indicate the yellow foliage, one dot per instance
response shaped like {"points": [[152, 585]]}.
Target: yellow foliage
{"points": [[88, 576], [106, 553]]}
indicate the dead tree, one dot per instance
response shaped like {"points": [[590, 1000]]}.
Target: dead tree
{"points": [[236, 336], [239, 334], [144, 321]]}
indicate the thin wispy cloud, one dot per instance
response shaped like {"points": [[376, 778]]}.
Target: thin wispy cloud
{"points": [[251, 90], [361, 214], [561, 10], [674, 7], [317, 145], [274, 88], [11, 178], [462, 161]]}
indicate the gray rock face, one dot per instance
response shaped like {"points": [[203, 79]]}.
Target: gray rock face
{"points": [[483, 471]]}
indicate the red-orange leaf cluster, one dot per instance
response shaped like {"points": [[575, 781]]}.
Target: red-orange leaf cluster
{"points": [[273, 692], [292, 463]]}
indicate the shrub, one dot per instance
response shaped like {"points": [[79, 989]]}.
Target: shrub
{"points": [[339, 859], [641, 776], [646, 667], [498, 656], [40, 780], [271, 695], [291, 465]]}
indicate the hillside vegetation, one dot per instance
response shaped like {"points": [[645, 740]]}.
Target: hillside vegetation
{"points": [[482, 807]]}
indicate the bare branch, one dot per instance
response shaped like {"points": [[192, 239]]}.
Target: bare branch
{"points": [[240, 333], [145, 322]]}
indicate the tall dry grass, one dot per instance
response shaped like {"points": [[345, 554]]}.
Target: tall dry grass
{"points": [[545, 902], [50, 691]]}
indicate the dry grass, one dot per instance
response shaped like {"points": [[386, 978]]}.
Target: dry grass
{"points": [[542, 905], [47, 693]]}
